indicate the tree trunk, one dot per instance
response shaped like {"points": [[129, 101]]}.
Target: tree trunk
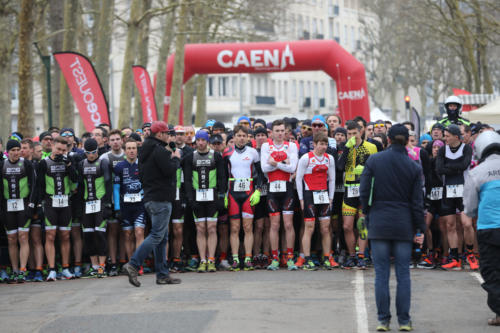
{"points": [[142, 59], [7, 45], [177, 80], [56, 23], [67, 112], [95, 6], [167, 37], [103, 45], [201, 100], [41, 76], [128, 60], [188, 100], [26, 119]]}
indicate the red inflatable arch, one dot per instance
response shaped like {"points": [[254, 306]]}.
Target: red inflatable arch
{"points": [[264, 57]]}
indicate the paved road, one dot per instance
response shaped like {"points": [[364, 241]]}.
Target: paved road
{"points": [[260, 301]]}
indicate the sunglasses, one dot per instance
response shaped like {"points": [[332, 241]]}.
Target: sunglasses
{"points": [[318, 125], [67, 134], [91, 152], [306, 128], [379, 125]]}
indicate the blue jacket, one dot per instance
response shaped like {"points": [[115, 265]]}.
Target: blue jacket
{"points": [[397, 208]]}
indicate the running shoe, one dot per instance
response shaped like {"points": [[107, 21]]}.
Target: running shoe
{"points": [[363, 231], [472, 261], [310, 266], [315, 260], [100, 272], [59, 272], [257, 261], [368, 261], [177, 267], [291, 265], [91, 273], [350, 263], [454, 265], [235, 267], [77, 271], [406, 327], [283, 261], [202, 268], [211, 267], [113, 271], [4, 277], [140, 272], [12, 278], [333, 263], [30, 276], [274, 266], [383, 326], [52, 276], [38, 277], [224, 265], [146, 269], [426, 263], [21, 277], [193, 265], [66, 274], [248, 264], [265, 261], [300, 262], [361, 263]]}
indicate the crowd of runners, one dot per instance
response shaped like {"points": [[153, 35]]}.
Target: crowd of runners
{"points": [[259, 195]]}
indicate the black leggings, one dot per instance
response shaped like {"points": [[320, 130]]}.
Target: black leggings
{"points": [[94, 234]]}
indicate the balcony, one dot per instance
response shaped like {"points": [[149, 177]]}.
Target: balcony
{"points": [[265, 100], [333, 11]]}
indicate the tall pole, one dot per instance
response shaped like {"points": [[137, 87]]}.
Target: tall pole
{"points": [[46, 63]]}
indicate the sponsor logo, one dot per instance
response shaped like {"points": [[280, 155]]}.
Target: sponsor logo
{"points": [[86, 91], [147, 97], [352, 94], [258, 59]]}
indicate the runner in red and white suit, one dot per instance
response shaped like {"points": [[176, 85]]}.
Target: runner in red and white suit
{"points": [[279, 161]]}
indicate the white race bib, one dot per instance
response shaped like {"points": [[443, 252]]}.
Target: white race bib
{"points": [[263, 189], [353, 191], [177, 194], [277, 186], [60, 201], [320, 197], [92, 207], [132, 197], [339, 188], [436, 193], [205, 195], [241, 185], [454, 191], [15, 205]]}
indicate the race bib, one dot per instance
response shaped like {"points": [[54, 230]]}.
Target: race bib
{"points": [[277, 186], [263, 189], [436, 193], [454, 191], [177, 194], [132, 197], [92, 207], [205, 195], [60, 201], [320, 197], [15, 205], [241, 185], [353, 191], [339, 188]]}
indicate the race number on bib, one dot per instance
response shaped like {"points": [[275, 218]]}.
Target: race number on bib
{"points": [[353, 191], [132, 197], [277, 186], [60, 201], [15, 205], [454, 191], [436, 193], [205, 195], [264, 189], [320, 197], [241, 185], [92, 207]]}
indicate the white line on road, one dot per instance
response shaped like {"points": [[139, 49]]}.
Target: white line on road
{"points": [[359, 302], [478, 277]]}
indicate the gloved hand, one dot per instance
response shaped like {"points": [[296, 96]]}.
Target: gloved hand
{"points": [[66, 160], [118, 214], [351, 143], [358, 170], [107, 212], [255, 198], [226, 201], [30, 211]]}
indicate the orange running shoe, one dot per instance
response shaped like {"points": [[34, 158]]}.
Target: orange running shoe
{"points": [[472, 261], [333, 263], [300, 262], [453, 264]]}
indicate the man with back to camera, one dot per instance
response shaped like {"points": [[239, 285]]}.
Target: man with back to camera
{"points": [[157, 169], [391, 177]]}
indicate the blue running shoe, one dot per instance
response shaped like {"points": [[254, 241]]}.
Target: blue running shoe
{"points": [[38, 277], [77, 270]]}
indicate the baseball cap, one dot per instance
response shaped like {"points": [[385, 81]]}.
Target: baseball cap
{"points": [[454, 130], [398, 129]]}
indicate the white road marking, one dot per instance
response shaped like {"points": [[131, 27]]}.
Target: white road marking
{"points": [[359, 302], [478, 277]]}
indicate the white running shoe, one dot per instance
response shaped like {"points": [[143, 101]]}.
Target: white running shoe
{"points": [[52, 276], [66, 274]]}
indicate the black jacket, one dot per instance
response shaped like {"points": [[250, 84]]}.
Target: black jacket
{"points": [[157, 171], [397, 208]]}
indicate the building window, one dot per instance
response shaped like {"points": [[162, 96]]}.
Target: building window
{"points": [[223, 88], [285, 92], [346, 35], [321, 31], [315, 96], [353, 39], [301, 93], [243, 84], [210, 86], [337, 30], [333, 92], [294, 91], [234, 86], [300, 27], [314, 27]]}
